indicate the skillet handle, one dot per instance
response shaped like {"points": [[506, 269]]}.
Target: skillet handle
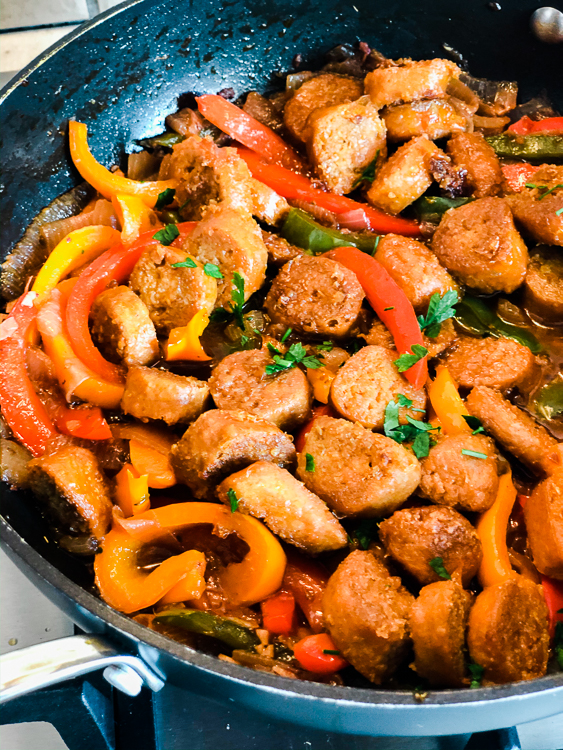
{"points": [[29, 669]]}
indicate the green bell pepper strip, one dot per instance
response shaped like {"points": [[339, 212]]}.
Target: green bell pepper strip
{"points": [[548, 402], [228, 631], [431, 208], [528, 147], [476, 317], [302, 230]]}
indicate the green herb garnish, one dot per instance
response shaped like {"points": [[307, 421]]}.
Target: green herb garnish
{"points": [[309, 462], [404, 401], [167, 235], [365, 532], [331, 651], [439, 310], [437, 565], [373, 252], [286, 335], [368, 175], [237, 297], [165, 198], [210, 269], [385, 309], [475, 424], [414, 431], [326, 346], [475, 454], [559, 212], [233, 499], [295, 355], [476, 671], [545, 188], [558, 642], [188, 263], [406, 361]]}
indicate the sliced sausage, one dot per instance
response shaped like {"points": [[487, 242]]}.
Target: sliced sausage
{"points": [[324, 90], [279, 250], [507, 632], [74, 489], [511, 427], [404, 177], [544, 523], [159, 394], [122, 328], [435, 118], [355, 471], [172, 295], [423, 79], [379, 335], [416, 536], [366, 612], [497, 363], [343, 140], [315, 296], [286, 506], [240, 382], [462, 481], [479, 244], [415, 268], [222, 442], [365, 385], [538, 215], [437, 623], [471, 152], [232, 240], [544, 285]]}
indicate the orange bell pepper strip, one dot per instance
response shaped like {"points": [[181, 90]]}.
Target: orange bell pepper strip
{"points": [[318, 411], [152, 462], [20, 405], [321, 380], [134, 216], [278, 613], [307, 580], [243, 128], [517, 175], [101, 179], [447, 403], [492, 527], [184, 343], [255, 578], [132, 491], [318, 653]]}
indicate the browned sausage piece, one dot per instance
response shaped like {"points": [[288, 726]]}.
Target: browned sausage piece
{"points": [[367, 382], [379, 335], [437, 623], [279, 250], [122, 327], [544, 523], [472, 152], [172, 295], [286, 506], [415, 268], [159, 394], [321, 91], [464, 482], [537, 215], [497, 363], [315, 296], [507, 632], [544, 285], [366, 610], [415, 536], [479, 244], [511, 427], [222, 442], [231, 239], [69, 481], [357, 472], [423, 79], [240, 382], [435, 118]]}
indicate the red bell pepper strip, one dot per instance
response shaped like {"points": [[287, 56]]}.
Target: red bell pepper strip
{"points": [[88, 424], [318, 653], [253, 134], [297, 187], [553, 595], [389, 302], [278, 613], [526, 126], [307, 580], [517, 175], [318, 411], [21, 406], [115, 264]]}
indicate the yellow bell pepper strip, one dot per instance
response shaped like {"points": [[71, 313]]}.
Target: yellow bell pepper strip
{"points": [[256, 577], [491, 528], [447, 403], [321, 380], [184, 343], [134, 217], [105, 182], [132, 491], [150, 461], [127, 587]]}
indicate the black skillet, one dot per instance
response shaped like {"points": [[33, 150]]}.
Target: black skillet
{"points": [[121, 74]]}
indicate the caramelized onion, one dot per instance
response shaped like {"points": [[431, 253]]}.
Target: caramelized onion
{"points": [[102, 213]]}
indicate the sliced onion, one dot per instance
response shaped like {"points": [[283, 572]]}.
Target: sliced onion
{"points": [[142, 166], [490, 125], [461, 91], [101, 213], [354, 220], [296, 80]]}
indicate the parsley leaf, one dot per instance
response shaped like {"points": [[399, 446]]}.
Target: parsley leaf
{"points": [[437, 565], [331, 651], [475, 424], [188, 263], [368, 175], [237, 297], [210, 269], [373, 252], [404, 401], [167, 235], [559, 212], [421, 445], [475, 454], [415, 430], [439, 310], [165, 198], [476, 671], [286, 335], [326, 346], [295, 355], [233, 499], [309, 462], [544, 188], [406, 361], [365, 532]]}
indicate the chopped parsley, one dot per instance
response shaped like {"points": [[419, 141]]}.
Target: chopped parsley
{"points": [[406, 361], [414, 431], [210, 269], [366, 532], [476, 671], [220, 315], [558, 643], [188, 263], [286, 335], [167, 235], [295, 355], [475, 424], [385, 309], [375, 246], [475, 454], [404, 401], [326, 346], [546, 190], [233, 499], [559, 212], [165, 198], [309, 462], [331, 651], [437, 565], [439, 310], [368, 175]]}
